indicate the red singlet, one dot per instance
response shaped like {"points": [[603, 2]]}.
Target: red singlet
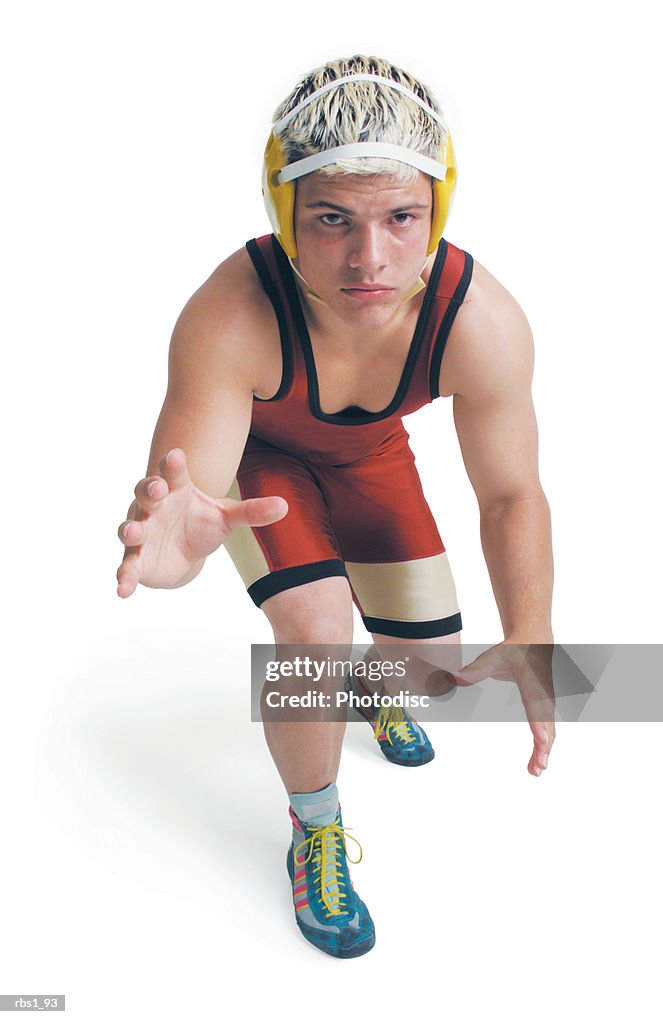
{"points": [[356, 505]]}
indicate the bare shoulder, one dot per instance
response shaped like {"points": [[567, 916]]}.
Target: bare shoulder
{"points": [[228, 326], [490, 346]]}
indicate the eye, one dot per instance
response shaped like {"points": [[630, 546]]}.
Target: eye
{"points": [[410, 215], [339, 219]]}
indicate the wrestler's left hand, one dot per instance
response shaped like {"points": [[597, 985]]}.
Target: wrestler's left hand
{"points": [[529, 666]]}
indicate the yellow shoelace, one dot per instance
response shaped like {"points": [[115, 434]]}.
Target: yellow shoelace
{"points": [[392, 720], [324, 849]]}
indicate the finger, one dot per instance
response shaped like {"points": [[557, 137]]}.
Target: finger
{"points": [[478, 670], [128, 575], [253, 511], [540, 711], [542, 743], [150, 491], [131, 533], [173, 468], [441, 681], [469, 675]]}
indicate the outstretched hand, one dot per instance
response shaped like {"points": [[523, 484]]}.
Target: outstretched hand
{"points": [[530, 667], [172, 525]]}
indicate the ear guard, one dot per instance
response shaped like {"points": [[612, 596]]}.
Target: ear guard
{"points": [[278, 178], [279, 199]]}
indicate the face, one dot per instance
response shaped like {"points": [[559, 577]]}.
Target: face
{"points": [[362, 241]]}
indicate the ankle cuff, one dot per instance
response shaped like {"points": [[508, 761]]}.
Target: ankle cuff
{"points": [[317, 808]]}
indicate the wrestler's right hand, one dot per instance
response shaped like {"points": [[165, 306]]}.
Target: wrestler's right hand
{"points": [[172, 525]]}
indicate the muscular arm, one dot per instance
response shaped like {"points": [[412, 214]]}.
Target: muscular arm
{"points": [[208, 403], [493, 360]]}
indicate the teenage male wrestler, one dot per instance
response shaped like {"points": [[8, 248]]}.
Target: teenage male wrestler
{"points": [[280, 434]]}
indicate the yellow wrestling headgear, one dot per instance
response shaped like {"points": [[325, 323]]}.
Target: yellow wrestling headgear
{"points": [[278, 180]]}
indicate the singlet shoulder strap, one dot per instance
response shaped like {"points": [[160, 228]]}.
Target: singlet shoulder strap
{"points": [[267, 268], [262, 256], [450, 293]]}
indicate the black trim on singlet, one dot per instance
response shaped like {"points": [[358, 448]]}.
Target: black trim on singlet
{"points": [[361, 417], [264, 275], [440, 342], [414, 630], [285, 579]]}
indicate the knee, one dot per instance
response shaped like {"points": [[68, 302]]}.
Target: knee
{"points": [[315, 613]]}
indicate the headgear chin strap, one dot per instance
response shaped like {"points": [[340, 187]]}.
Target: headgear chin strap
{"points": [[278, 183], [310, 294]]}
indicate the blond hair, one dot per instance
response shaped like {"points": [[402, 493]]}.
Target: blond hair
{"points": [[360, 112]]}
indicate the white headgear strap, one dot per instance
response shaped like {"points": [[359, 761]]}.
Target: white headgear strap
{"points": [[385, 150]]}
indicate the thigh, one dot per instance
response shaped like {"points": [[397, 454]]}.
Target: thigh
{"points": [[395, 559], [297, 550]]}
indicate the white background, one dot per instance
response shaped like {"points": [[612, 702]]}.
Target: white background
{"points": [[143, 861]]}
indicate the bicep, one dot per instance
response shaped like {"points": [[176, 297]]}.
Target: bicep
{"points": [[208, 405], [493, 410]]}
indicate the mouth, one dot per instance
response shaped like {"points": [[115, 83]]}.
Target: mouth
{"points": [[374, 291]]}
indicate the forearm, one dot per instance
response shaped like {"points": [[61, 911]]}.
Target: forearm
{"points": [[517, 545]]}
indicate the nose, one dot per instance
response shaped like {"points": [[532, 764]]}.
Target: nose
{"points": [[367, 249]]}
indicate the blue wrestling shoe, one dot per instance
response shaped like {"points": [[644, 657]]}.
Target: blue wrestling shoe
{"points": [[327, 909], [401, 739]]}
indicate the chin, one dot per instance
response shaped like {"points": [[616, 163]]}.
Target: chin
{"points": [[372, 319]]}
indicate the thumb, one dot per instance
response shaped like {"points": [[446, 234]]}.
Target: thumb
{"points": [[475, 671], [253, 511]]}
